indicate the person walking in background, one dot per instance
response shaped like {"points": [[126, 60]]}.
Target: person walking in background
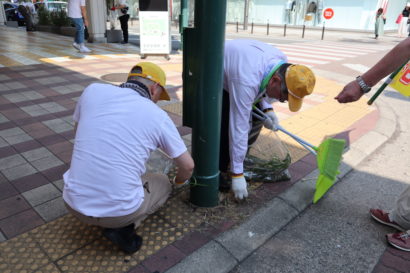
{"points": [[379, 24], [403, 21], [24, 8], [122, 9], [78, 15]]}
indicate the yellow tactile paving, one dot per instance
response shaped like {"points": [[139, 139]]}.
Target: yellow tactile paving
{"points": [[22, 255], [64, 236]]}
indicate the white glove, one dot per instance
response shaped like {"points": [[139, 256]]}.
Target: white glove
{"points": [[239, 187], [272, 121], [178, 185]]}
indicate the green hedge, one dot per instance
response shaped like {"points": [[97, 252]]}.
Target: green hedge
{"points": [[55, 18]]}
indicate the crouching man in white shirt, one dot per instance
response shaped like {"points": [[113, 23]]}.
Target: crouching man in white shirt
{"points": [[117, 127]]}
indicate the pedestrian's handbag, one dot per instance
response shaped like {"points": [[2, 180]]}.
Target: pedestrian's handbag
{"points": [[398, 20], [408, 21], [86, 34]]}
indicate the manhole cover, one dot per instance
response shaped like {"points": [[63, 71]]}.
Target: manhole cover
{"points": [[115, 77]]}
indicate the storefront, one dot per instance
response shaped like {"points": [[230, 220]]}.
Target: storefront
{"points": [[349, 14]]}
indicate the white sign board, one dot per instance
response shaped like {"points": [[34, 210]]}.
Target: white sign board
{"points": [[155, 35]]}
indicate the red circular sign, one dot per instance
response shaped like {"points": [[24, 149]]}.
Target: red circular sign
{"points": [[328, 13]]}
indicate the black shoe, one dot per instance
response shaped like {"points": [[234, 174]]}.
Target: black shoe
{"points": [[124, 42], [224, 183], [125, 238]]}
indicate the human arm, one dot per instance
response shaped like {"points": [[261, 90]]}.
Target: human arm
{"points": [[390, 62], [185, 165], [84, 13], [241, 99], [272, 121]]}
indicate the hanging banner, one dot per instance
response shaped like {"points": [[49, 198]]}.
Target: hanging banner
{"points": [[401, 82], [155, 35]]}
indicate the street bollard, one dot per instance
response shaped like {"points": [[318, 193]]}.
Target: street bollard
{"points": [[267, 28], [284, 30], [237, 26], [303, 31], [252, 28], [323, 31]]}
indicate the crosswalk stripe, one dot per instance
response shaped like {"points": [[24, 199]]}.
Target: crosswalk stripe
{"points": [[304, 60], [312, 51], [318, 49], [348, 49], [291, 53], [357, 67]]}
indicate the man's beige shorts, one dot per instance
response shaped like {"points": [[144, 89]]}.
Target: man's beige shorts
{"points": [[157, 189]]}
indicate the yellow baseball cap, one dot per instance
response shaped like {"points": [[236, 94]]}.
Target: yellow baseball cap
{"points": [[151, 72], [300, 82]]}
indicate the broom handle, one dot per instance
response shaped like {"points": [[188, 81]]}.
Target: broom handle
{"points": [[261, 116], [387, 82], [298, 139]]}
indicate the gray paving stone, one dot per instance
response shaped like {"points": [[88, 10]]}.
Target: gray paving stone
{"points": [[50, 80], [17, 138], [41, 194], [58, 125], [11, 132], [59, 184], [3, 87], [2, 237], [52, 107], [52, 209], [4, 78], [15, 97], [69, 119], [34, 110], [15, 85], [37, 73], [36, 154], [46, 163], [3, 143], [32, 95], [62, 89], [76, 87], [11, 161], [3, 118], [18, 171]]}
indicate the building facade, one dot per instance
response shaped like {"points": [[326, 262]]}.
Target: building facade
{"points": [[348, 14]]}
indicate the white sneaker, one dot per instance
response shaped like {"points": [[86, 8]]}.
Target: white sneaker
{"points": [[84, 49], [76, 46]]}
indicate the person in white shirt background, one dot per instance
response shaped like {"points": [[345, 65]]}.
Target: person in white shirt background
{"points": [[257, 74], [121, 7], [117, 127], [78, 15]]}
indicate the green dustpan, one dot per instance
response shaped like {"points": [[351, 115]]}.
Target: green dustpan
{"points": [[328, 157]]}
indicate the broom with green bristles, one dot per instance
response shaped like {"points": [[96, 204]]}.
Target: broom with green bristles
{"points": [[328, 156]]}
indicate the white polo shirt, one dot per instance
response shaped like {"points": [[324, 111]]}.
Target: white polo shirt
{"points": [[246, 63], [74, 8], [117, 130]]}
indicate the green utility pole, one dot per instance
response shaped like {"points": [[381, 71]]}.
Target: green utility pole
{"points": [[202, 103], [183, 17]]}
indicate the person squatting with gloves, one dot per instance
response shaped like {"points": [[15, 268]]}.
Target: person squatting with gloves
{"points": [[257, 74], [117, 127]]}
